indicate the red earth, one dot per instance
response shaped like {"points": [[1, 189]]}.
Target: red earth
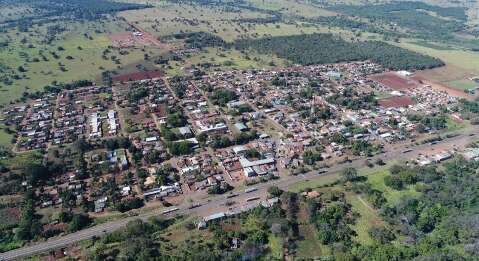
{"points": [[137, 76], [394, 81], [395, 102]]}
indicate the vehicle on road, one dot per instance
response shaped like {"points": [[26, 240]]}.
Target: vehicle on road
{"points": [[248, 190], [232, 195], [252, 199], [168, 211], [194, 205]]}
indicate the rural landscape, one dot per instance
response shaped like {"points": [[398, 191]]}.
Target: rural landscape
{"points": [[239, 130]]}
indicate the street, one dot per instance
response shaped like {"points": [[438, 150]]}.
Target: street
{"points": [[218, 203]]}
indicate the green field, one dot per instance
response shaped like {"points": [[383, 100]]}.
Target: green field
{"points": [[392, 196], [368, 217], [169, 19], [464, 84], [79, 51], [291, 8], [460, 64], [226, 60]]}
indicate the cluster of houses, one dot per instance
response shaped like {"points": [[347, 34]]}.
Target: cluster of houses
{"points": [[257, 158], [35, 128], [262, 128]]}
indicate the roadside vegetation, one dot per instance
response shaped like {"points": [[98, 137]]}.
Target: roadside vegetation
{"points": [[403, 212]]}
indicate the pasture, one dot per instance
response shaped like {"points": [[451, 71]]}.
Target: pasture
{"points": [[62, 53], [460, 65], [226, 60]]}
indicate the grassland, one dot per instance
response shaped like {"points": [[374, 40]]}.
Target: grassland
{"points": [[392, 196], [454, 126], [291, 8], [310, 246], [324, 180], [170, 19], [460, 64], [225, 60], [368, 217], [463, 84], [5, 137], [79, 49]]}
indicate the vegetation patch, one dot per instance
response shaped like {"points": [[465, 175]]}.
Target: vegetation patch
{"points": [[326, 48]]}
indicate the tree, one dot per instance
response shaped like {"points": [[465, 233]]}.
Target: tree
{"points": [[349, 174], [79, 221], [275, 191], [381, 234]]}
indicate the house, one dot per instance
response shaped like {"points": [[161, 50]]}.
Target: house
{"points": [[151, 139], [214, 217], [241, 126], [442, 156], [100, 204], [185, 131], [471, 154]]}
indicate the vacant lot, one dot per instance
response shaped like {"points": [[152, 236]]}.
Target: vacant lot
{"points": [[394, 81]]}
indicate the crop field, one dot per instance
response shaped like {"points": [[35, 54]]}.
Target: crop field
{"points": [[79, 51]]}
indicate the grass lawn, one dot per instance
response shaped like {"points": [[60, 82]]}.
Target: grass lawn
{"points": [[276, 247], [314, 183], [310, 246], [452, 125], [367, 219], [392, 196], [464, 84]]}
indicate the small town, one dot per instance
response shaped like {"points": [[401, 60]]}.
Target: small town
{"points": [[245, 130], [163, 140]]}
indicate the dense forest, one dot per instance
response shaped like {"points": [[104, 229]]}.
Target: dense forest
{"points": [[200, 40], [70, 9], [326, 48], [412, 15]]}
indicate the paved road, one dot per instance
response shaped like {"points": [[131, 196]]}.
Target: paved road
{"points": [[218, 203]]}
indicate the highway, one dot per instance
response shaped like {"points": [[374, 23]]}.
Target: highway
{"points": [[216, 204]]}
